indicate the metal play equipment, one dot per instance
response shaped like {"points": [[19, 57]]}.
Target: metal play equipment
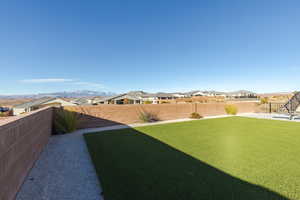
{"points": [[292, 105]]}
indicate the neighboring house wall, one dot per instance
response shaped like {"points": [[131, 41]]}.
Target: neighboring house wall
{"points": [[22, 139], [126, 99], [242, 95], [179, 95], [103, 102], [18, 111], [153, 100]]}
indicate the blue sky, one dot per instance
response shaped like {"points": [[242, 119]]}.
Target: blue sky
{"points": [[170, 45]]}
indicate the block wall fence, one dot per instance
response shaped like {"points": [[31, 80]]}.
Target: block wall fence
{"points": [[22, 139], [106, 115]]}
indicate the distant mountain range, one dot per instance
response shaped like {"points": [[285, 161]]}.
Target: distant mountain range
{"points": [[90, 93], [74, 94]]}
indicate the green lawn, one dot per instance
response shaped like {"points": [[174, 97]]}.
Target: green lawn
{"points": [[229, 158]]}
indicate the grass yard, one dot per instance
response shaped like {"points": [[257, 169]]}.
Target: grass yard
{"points": [[225, 158]]}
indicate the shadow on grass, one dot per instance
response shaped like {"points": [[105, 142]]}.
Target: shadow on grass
{"points": [[135, 166]]}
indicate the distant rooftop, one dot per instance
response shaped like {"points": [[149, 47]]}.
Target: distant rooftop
{"points": [[35, 102]]}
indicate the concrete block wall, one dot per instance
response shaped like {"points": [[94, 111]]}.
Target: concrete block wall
{"points": [[22, 138], [107, 115]]}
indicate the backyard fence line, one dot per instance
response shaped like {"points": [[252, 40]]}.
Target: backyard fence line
{"points": [[22, 139], [107, 115]]}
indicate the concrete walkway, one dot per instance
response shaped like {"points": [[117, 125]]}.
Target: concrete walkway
{"points": [[273, 116], [65, 171]]}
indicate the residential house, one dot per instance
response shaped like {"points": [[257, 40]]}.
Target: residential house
{"points": [[214, 93], [156, 98], [211, 93], [82, 101], [4, 109], [149, 99], [165, 96], [179, 95], [197, 93], [241, 94], [139, 97], [104, 100], [134, 97], [39, 103], [85, 101], [236, 94]]}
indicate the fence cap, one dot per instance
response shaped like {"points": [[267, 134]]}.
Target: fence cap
{"points": [[16, 118]]}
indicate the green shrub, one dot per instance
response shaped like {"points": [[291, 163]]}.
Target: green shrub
{"points": [[231, 109], [5, 114], [195, 115], [264, 100], [147, 102], [65, 121], [146, 116]]}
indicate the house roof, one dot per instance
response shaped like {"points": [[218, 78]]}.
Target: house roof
{"points": [[81, 101], [128, 96], [191, 92], [102, 99], [35, 102], [213, 92], [164, 94], [197, 92], [135, 95], [240, 92]]}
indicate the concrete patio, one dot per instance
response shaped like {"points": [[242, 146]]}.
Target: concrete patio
{"points": [[272, 116]]}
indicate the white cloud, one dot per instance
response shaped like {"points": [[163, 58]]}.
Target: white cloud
{"points": [[74, 82], [89, 84], [46, 80]]}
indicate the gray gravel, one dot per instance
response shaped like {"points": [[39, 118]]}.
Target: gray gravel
{"points": [[64, 171]]}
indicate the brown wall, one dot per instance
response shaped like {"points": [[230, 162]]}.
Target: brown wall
{"points": [[22, 139], [106, 115]]}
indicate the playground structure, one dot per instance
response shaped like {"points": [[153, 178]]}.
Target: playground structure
{"points": [[292, 105]]}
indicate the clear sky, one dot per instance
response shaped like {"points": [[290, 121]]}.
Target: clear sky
{"points": [[151, 45]]}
